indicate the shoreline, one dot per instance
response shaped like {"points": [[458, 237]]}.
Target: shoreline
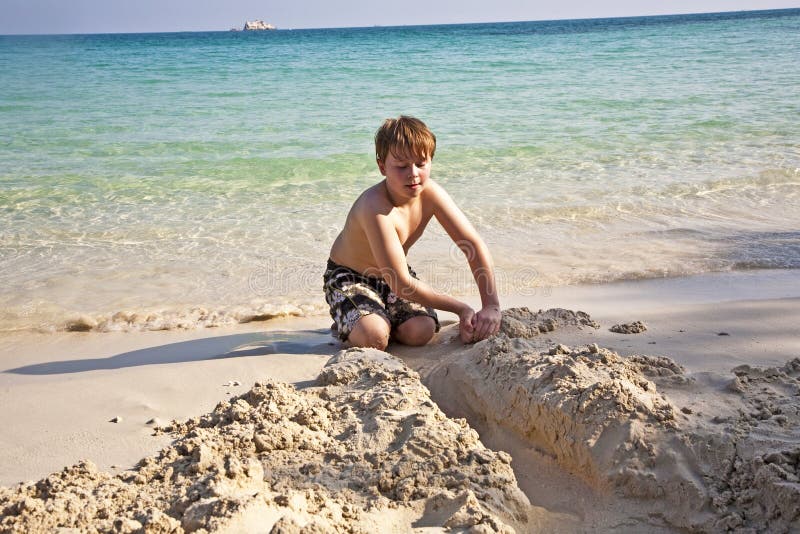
{"points": [[701, 287]]}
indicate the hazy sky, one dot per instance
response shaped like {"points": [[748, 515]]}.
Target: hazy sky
{"points": [[101, 16]]}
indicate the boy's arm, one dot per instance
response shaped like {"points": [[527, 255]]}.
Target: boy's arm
{"points": [[391, 261], [464, 235]]}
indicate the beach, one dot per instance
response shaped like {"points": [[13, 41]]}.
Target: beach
{"points": [[168, 202], [63, 390]]}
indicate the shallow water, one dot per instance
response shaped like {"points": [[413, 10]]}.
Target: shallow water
{"points": [[200, 178]]}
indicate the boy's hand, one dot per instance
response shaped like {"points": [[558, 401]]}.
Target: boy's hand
{"points": [[486, 322], [466, 319]]}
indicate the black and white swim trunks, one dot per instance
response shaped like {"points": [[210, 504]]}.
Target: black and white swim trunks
{"points": [[352, 295]]}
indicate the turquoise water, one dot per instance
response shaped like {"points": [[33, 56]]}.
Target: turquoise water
{"points": [[200, 178]]}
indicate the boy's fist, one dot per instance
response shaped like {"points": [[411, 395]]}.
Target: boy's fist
{"points": [[486, 322], [466, 319]]}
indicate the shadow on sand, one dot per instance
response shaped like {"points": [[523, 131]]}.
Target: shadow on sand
{"points": [[215, 348]]}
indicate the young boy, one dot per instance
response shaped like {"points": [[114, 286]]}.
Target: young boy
{"points": [[372, 292]]}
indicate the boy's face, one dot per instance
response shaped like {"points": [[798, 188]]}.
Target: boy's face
{"points": [[406, 174]]}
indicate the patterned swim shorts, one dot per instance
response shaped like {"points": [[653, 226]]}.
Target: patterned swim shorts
{"points": [[352, 295]]}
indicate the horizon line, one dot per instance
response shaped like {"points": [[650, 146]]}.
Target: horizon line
{"points": [[231, 30]]}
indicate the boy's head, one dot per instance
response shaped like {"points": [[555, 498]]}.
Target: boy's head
{"points": [[404, 136]]}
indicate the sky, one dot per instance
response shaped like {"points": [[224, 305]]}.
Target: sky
{"points": [[115, 16]]}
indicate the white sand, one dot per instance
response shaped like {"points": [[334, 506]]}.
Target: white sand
{"points": [[700, 451], [59, 392]]}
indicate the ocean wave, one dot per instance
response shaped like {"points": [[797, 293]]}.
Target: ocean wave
{"points": [[190, 318]]}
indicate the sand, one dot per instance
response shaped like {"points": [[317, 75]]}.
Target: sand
{"points": [[59, 391], [557, 424], [626, 424], [363, 449]]}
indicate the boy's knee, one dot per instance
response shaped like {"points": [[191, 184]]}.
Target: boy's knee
{"points": [[416, 331], [371, 331]]}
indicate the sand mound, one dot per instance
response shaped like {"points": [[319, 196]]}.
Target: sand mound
{"points": [[636, 327], [754, 469], [610, 420], [521, 322], [365, 450]]}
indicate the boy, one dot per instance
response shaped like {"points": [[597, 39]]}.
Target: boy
{"points": [[373, 294]]}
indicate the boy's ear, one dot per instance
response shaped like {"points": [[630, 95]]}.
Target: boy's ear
{"points": [[381, 166]]}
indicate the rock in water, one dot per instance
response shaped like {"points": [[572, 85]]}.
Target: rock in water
{"points": [[82, 323]]}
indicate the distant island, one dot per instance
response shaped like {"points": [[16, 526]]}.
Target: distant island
{"points": [[255, 25]]}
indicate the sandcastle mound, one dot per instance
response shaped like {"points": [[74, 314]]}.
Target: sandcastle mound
{"points": [[365, 450], [610, 420], [523, 323]]}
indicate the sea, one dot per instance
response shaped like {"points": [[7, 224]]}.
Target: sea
{"points": [[186, 180]]}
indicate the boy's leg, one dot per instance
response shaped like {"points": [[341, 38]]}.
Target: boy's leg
{"points": [[370, 331], [416, 330], [412, 323], [357, 307]]}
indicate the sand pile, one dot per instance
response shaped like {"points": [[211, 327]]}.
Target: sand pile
{"points": [[522, 323], [364, 450], [754, 468], [613, 421], [636, 327]]}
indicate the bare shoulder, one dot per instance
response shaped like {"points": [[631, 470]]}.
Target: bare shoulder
{"points": [[373, 201], [437, 197]]}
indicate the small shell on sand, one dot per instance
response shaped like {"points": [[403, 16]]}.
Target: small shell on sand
{"points": [[116, 419]]}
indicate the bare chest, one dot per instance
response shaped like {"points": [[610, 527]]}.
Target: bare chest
{"points": [[410, 225]]}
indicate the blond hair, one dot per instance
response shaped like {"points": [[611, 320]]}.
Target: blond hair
{"points": [[404, 136]]}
